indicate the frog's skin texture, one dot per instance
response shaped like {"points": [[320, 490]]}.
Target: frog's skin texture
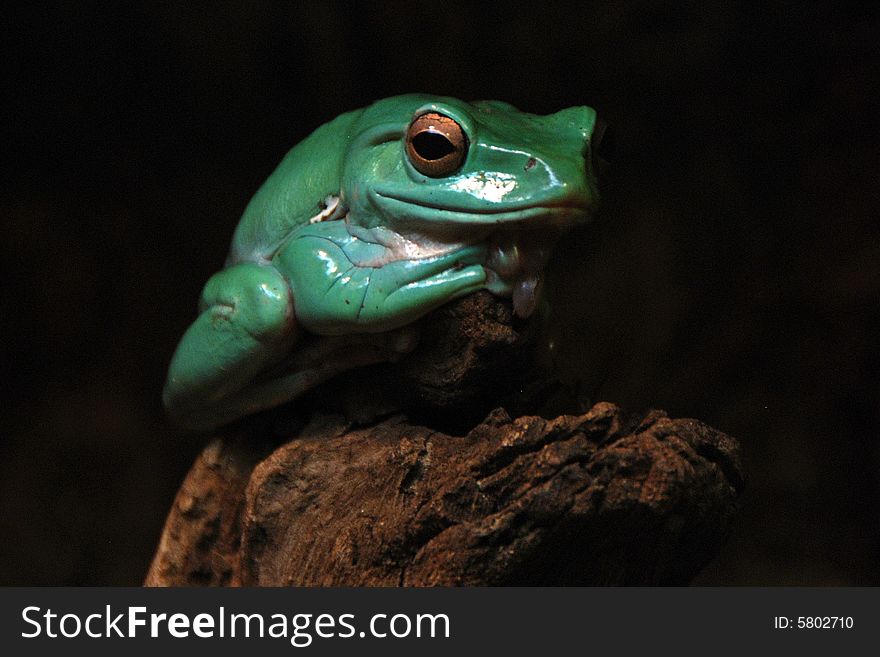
{"points": [[350, 240]]}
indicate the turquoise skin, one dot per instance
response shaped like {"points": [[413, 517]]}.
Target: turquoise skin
{"points": [[366, 226]]}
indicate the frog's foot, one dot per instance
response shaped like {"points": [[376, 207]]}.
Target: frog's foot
{"points": [[318, 361], [246, 324], [241, 355]]}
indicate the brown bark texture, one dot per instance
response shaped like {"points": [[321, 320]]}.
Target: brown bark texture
{"points": [[383, 487]]}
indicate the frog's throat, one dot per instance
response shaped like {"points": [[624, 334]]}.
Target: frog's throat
{"points": [[404, 246]]}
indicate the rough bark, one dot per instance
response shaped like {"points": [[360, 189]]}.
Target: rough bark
{"points": [[375, 496]]}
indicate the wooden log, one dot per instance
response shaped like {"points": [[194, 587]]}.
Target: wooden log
{"points": [[367, 494]]}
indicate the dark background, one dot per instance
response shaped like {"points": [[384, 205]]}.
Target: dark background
{"points": [[732, 274]]}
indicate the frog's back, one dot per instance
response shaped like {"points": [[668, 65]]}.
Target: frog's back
{"points": [[310, 172]]}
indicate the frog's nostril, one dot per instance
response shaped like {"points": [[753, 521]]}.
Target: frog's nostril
{"points": [[602, 148]]}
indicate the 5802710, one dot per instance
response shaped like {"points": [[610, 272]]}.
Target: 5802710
{"points": [[814, 622]]}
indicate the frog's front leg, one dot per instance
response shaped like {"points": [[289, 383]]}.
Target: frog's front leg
{"points": [[335, 295], [246, 324]]}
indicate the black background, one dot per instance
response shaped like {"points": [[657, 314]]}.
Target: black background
{"points": [[732, 274]]}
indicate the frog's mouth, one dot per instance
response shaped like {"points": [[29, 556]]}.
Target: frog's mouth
{"points": [[561, 212]]}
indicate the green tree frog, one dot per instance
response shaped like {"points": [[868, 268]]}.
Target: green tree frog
{"points": [[374, 220]]}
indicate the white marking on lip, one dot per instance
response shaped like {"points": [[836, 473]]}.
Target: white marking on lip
{"points": [[489, 187]]}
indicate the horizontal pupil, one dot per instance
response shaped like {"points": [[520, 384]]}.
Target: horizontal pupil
{"points": [[432, 145]]}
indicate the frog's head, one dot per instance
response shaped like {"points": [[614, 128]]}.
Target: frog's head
{"points": [[441, 173]]}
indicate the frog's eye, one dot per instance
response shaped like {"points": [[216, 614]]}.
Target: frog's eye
{"points": [[435, 144], [602, 147]]}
